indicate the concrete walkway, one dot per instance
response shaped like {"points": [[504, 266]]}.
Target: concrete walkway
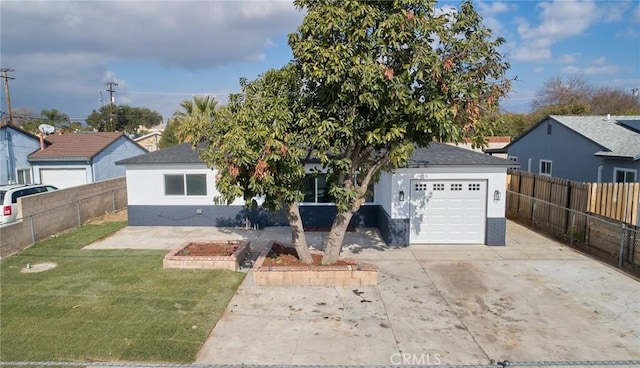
{"points": [[532, 300]]}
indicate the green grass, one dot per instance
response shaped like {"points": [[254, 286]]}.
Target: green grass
{"points": [[106, 305]]}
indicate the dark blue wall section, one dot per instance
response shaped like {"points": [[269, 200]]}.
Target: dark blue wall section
{"points": [[496, 230], [233, 216], [395, 232]]}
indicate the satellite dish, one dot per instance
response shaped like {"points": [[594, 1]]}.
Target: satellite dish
{"points": [[46, 128]]}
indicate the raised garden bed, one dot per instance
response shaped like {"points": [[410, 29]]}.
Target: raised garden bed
{"points": [[278, 265], [208, 255]]}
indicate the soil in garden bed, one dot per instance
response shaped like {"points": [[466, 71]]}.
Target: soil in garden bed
{"points": [[209, 249], [281, 255]]}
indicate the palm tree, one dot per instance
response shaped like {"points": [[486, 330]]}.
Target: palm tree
{"points": [[200, 108], [55, 117]]}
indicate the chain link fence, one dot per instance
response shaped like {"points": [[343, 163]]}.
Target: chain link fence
{"points": [[500, 364], [614, 242]]}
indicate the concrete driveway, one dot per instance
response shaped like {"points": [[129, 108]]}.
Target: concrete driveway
{"points": [[533, 300]]}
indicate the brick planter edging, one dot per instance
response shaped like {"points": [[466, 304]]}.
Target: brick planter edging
{"points": [[359, 274], [231, 262]]}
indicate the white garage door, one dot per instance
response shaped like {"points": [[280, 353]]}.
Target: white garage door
{"points": [[63, 178], [452, 212]]}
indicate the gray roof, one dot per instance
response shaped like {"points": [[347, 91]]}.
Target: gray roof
{"points": [[435, 154], [178, 154], [611, 134], [445, 154]]}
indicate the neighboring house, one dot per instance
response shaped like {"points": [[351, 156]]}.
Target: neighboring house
{"points": [[150, 142], [493, 143], [581, 148], [79, 158], [15, 146], [445, 194]]}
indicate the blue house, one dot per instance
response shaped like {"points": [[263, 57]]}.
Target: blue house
{"points": [[15, 146], [580, 148], [73, 159]]}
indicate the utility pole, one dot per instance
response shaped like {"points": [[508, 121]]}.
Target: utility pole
{"points": [[111, 102], [6, 90]]}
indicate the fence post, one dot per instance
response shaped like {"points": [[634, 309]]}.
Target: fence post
{"points": [[33, 231], [113, 200], [621, 254], [533, 213], [572, 229], [79, 215]]}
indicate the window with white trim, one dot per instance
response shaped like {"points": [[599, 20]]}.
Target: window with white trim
{"points": [[545, 167], [24, 176], [185, 184], [621, 175], [513, 158]]}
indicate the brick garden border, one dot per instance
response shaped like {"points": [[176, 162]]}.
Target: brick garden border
{"points": [[231, 262], [358, 274]]}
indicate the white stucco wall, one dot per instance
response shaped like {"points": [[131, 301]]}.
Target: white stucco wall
{"points": [[496, 178], [145, 185]]}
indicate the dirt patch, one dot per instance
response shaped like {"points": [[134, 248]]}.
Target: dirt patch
{"points": [[110, 217], [209, 249], [38, 267], [282, 255]]}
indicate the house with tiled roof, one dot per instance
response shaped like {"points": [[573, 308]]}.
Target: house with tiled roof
{"points": [[150, 142], [581, 148], [73, 159], [445, 194], [15, 146]]}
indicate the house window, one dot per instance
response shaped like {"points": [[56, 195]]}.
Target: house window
{"points": [[24, 176], [513, 158], [545, 167], [195, 184], [315, 189], [624, 175], [456, 187]]}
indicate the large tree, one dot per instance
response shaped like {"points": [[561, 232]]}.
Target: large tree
{"points": [[199, 107], [123, 119], [372, 80]]}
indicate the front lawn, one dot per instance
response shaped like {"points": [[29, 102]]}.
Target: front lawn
{"points": [[106, 304]]}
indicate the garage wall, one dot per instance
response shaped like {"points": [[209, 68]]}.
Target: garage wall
{"points": [[395, 225], [104, 162]]}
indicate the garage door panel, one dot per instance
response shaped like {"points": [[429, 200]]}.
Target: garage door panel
{"points": [[63, 178], [448, 211]]}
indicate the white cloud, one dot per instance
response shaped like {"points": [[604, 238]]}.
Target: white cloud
{"points": [[600, 61], [567, 59], [190, 35], [592, 70], [558, 20], [494, 7]]}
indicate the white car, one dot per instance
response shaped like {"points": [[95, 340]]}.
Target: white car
{"points": [[9, 195]]}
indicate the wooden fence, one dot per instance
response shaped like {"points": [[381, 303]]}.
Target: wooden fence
{"points": [[618, 201]]}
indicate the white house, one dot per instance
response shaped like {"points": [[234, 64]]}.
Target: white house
{"points": [[446, 194]]}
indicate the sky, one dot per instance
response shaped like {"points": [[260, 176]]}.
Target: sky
{"points": [[162, 52]]}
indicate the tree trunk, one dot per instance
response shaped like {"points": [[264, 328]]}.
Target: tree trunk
{"points": [[297, 233], [336, 236]]}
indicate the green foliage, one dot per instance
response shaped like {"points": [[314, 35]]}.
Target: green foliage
{"points": [[169, 137], [386, 76], [123, 119], [370, 80]]}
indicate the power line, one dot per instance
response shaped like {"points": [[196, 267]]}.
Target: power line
{"points": [[111, 102], [6, 89]]}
